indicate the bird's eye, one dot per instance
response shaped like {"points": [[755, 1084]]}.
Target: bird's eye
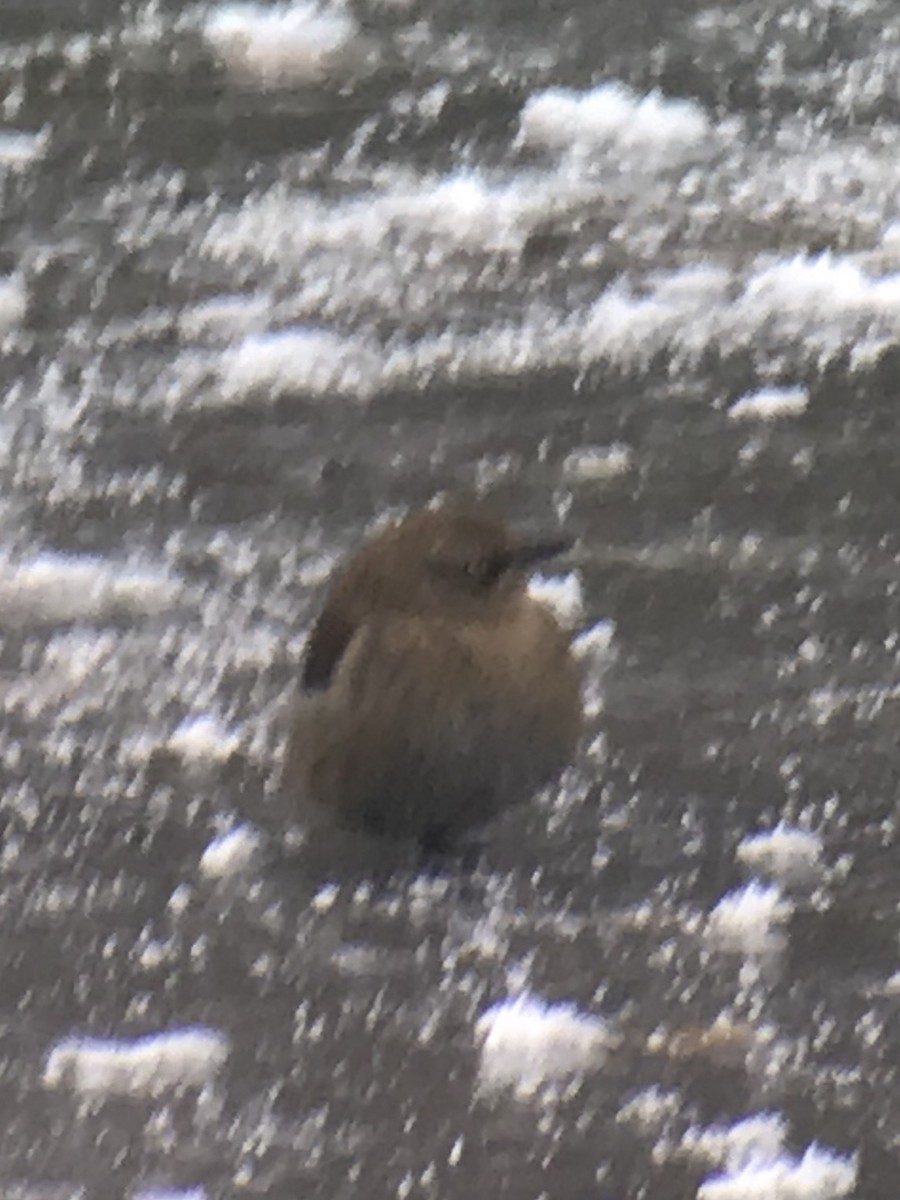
{"points": [[484, 572], [473, 574]]}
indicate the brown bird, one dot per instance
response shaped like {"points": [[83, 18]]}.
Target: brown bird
{"points": [[435, 691]]}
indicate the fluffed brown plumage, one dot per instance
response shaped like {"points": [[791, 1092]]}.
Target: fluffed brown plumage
{"points": [[435, 691]]}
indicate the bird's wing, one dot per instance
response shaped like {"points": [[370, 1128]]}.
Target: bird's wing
{"points": [[331, 636], [407, 655], [397, 742]]}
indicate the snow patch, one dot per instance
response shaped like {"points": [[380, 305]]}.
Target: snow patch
{"points": [[562, 594], [770, 403], [788, 855], [592, 464], [203, 739], [525, 1043], [147, 1065], [818, 1175], [612, 114], [757, 1166], [304, 361], [288, 45], [595, 641], [230, 853], [157, 1193], [18, 149], [748, 921], [53, 588], [12, 302]]}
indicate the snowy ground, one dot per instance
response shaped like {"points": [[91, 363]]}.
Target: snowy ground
{"points": [[271, 271]]}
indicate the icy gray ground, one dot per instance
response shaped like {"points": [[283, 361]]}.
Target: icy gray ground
{"points": [[267, 273]]}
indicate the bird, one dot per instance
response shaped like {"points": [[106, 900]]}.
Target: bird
{"points": [[435, 692]]}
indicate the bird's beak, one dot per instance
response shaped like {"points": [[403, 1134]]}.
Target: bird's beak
{"points": [[529, 554]]}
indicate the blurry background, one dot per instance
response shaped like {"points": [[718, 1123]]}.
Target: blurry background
{"points": [[269, 272]]}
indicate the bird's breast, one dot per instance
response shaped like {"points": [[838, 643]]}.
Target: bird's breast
{"points": [[441, 723]]}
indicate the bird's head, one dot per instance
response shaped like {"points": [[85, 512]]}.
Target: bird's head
{"points": [[460, 560]]}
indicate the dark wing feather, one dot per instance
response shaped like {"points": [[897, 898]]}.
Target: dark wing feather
{"points": [[326, 646]]}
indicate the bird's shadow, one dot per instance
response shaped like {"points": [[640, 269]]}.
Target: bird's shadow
{"points": [[334, 856]]}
